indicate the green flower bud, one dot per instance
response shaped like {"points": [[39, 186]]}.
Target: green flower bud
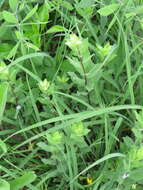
{"points": [[103, 51], [78, 129], [134, 186], [74, 41], [44, 85], [136, 157], [62, 79], [55, 138]]}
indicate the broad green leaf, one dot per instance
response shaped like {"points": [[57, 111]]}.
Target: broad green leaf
{"points": [[43, 13], [9, 17], [22, 181], [86, 4], [107, 10], [31, 13], [13, 4], [3, 148], [4, 50], [3, 98], [4, 185], [56, 28]]}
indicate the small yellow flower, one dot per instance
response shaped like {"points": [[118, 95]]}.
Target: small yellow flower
{"points": [[89, 180]]}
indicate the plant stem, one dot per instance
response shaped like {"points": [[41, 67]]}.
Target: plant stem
{"points": [[84, 74]]}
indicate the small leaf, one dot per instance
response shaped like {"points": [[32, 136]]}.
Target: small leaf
{"points": [[9, 17], [86, 4], [13, 51], [56, 28], [30, 45], [13, 4], [31, 13], [43, 146], [3, 98], [107, 10], [67, 5], [22, 181], [4, 185], [3, 148]]}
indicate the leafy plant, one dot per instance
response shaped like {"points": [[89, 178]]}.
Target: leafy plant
{"points": [[71, 95]]}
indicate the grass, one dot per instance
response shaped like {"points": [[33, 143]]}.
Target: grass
{"points": [[71, 95]]}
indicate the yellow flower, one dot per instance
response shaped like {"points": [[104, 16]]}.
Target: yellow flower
{"points": [[89, 180]]}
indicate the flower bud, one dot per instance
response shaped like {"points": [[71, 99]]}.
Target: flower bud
{"points": [[55, 138], [79, 130], [44, 85], [103, 51], [74, 41]]}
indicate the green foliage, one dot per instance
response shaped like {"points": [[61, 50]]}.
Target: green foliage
{"points": [[3, 148], [9, 17], [22, 181], [71, 95], [107, 10], [4, 185]]}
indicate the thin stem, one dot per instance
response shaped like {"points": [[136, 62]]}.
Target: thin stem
{"points": [[84, 74], [81, 62]]}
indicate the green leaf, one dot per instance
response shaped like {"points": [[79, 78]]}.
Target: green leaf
{"points": [[3, 148], [67, 5], [56, 28], [86, 4], [13, 4], [31, 13], [86, 12], [3, 98], [30, 45], [43, 13], [22, 181], [9, 17], [4, 49], [109, 156], [107, 10], [12, 53], [4, 185]]}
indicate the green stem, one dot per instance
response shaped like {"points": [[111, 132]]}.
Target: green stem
{"points": [[84, 74]]}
